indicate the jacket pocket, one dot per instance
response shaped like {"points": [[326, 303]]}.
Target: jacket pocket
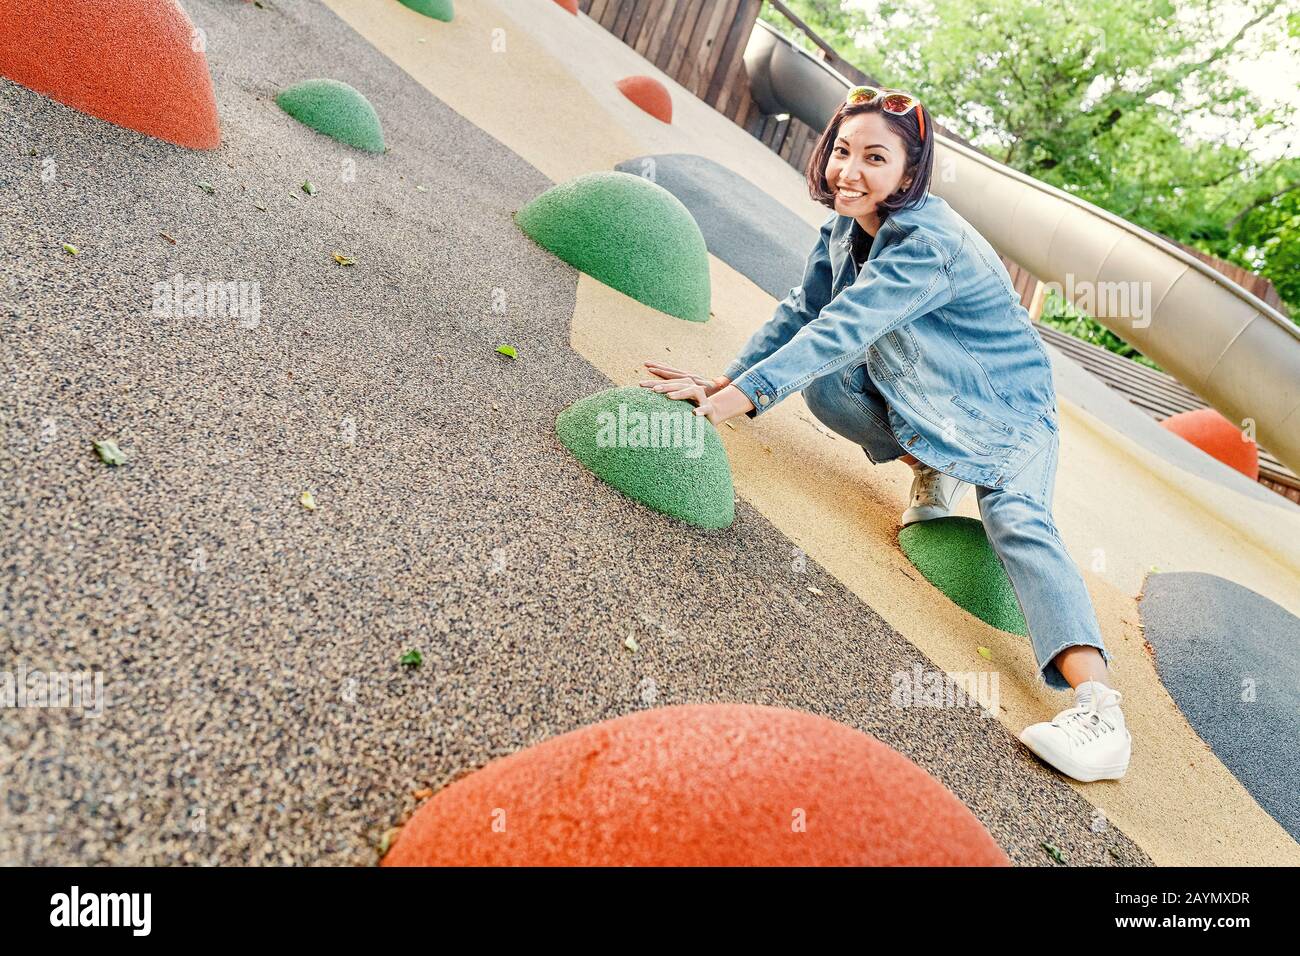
{"points": [[904, 344], [876, 361], [979, 416]]}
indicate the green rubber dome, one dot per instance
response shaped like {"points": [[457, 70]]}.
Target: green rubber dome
{"points": [[335, 109], [653, 449], [629, 233], [955, 556], [438, 9]]}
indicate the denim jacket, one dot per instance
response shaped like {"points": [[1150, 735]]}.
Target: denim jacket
{"points": [[933, 319]]}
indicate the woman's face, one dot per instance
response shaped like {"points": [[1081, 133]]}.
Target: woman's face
{"points": [[867, 164]]}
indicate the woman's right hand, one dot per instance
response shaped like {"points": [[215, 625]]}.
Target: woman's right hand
{"points": [[670, 376], [681, 385]]}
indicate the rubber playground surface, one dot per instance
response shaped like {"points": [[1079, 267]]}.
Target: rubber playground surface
{"points": [[256, 709]]}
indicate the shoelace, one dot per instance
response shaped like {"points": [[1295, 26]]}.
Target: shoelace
{"points": [[928, 486], [1082, 725]]}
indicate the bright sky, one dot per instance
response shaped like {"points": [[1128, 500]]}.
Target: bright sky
{"points": [[1277, 73]]}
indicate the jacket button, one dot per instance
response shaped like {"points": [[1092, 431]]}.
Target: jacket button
{"points": [[763, 399]]}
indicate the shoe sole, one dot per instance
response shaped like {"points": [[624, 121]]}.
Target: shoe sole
{"points": [[1071, 769], [924, 513], [930, 512]]}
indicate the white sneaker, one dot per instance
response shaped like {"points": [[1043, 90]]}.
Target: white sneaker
{"points": [[1087, 741], [934, 494]]}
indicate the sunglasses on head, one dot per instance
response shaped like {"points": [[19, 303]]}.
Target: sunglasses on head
{"points": [[891, 101]]}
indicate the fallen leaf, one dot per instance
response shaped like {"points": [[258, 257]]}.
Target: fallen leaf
{"points": [[424, 794], [205, 186], [411, 659], [985, 653], [258, 205], [817, 591], [309, 188], [308, 501], [507, 350], [168, 238], [631, 644], [70, 249], [421, 189], [109, 453], [343, 260], [1054, 851], [387, 840]]}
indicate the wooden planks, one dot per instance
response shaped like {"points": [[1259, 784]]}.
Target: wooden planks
{"points": [[730, 55], [699, 43]]}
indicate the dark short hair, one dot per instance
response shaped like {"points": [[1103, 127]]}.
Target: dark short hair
{"points": [[920, 157]]}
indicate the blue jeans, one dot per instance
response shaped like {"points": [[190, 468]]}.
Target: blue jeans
{"points": [[1017, 519]]}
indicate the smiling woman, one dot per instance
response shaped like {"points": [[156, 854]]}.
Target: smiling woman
{"points": [[872, 161], [905, 336]]}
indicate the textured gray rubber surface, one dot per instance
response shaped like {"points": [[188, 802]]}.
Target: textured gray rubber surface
{"points": [[256, 711], [1231, 659], [742, 225]]}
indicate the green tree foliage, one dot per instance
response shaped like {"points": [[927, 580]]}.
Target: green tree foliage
{"points": [[829, 19], [1265, 236]]}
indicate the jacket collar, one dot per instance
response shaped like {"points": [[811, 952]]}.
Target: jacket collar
{"points": [[901, 222], [841, 242]]}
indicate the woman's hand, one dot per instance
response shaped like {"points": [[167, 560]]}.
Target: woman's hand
{"points": [[716, 398], [670, 375]]}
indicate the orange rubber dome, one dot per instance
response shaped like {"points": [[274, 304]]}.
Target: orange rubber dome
{"points": [[1215, 435], [699, 785], [570, 5], [133, 64], [649, 94]]}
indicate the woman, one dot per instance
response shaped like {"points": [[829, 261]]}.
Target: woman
{"points": [[907, 337]]}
